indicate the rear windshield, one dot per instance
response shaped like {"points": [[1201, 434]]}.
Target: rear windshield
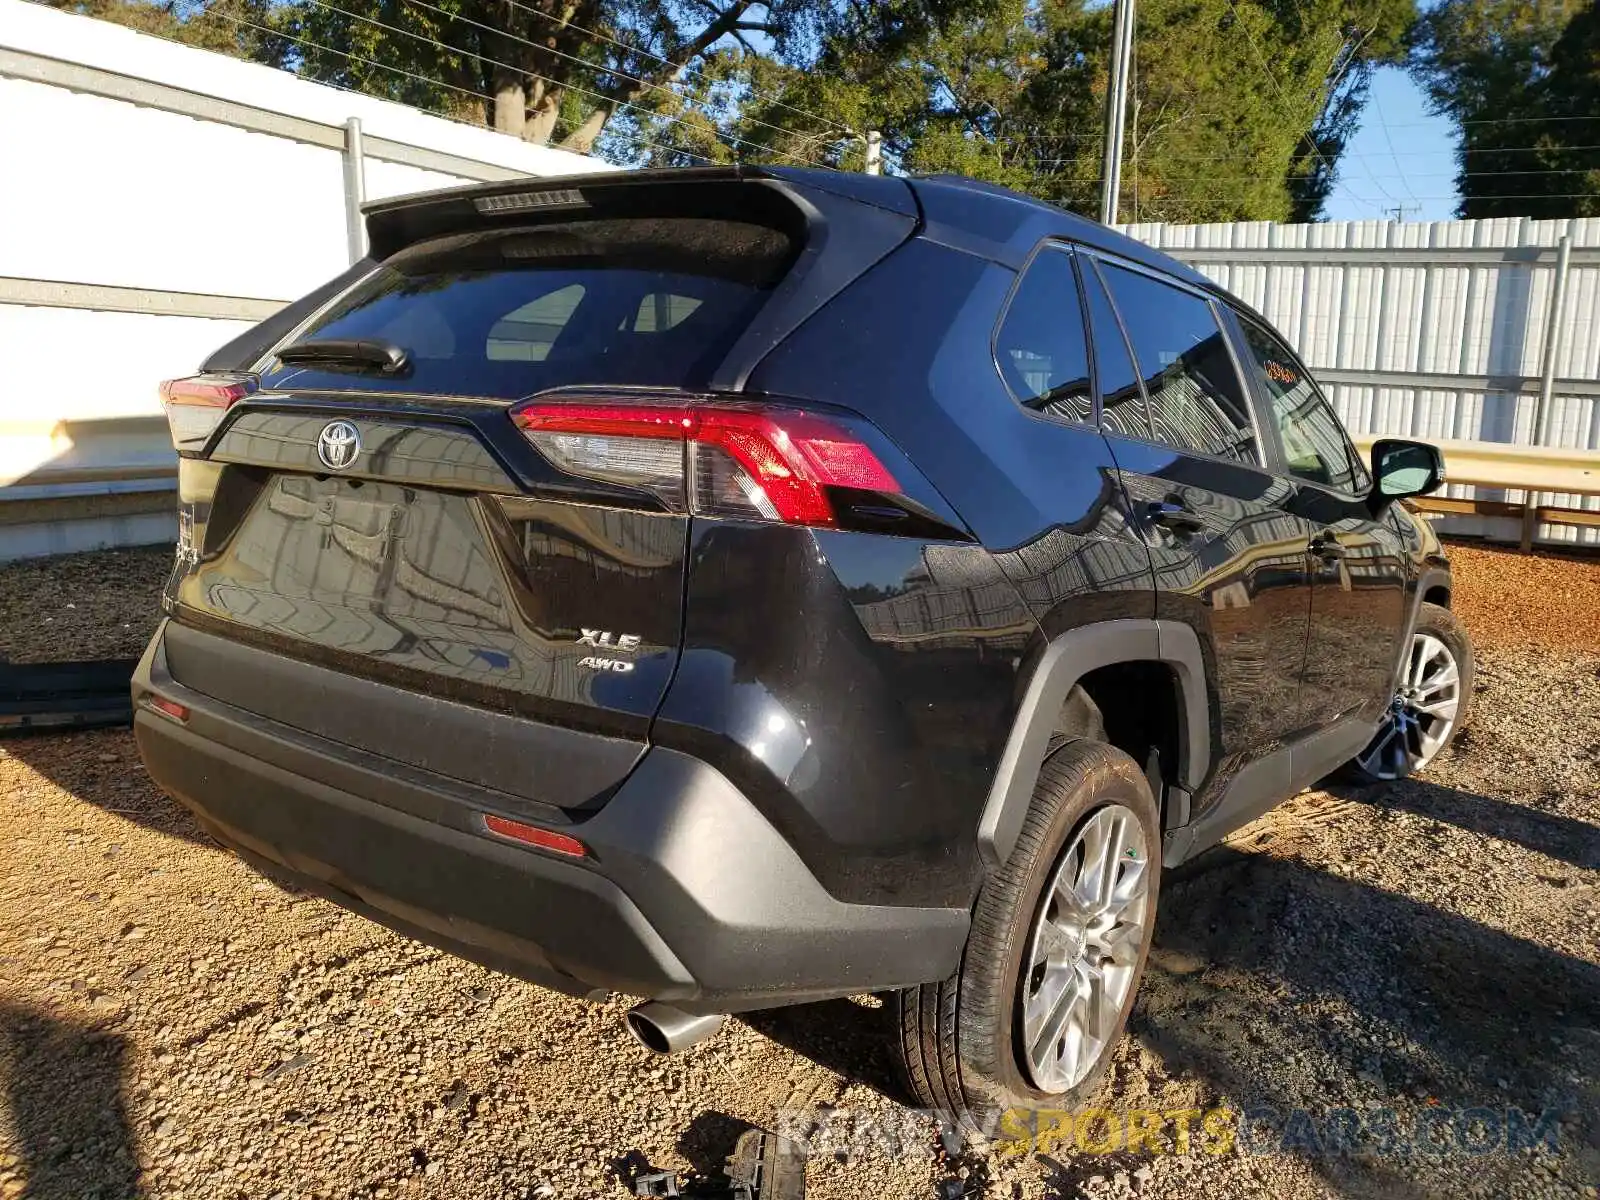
{"points": [[631, 302]]}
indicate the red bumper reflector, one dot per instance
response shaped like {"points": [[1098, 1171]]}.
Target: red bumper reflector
{"points": [[534, 836], [168, 708]]}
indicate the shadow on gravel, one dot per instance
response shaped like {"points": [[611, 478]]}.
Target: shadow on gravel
{"points": [[63, 1097], [102, 768], [1293, 988], [851, 1039], [1571, 841], [707, 1144], [709, 1140]]}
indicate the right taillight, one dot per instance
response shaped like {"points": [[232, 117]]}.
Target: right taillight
{"points": [[195, 406], [750, 461]]}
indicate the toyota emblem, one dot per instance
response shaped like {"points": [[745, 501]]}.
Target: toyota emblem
{"points": [[338, 444]]}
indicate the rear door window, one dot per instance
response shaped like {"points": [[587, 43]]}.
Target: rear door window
{"points": [[1121, 399], [1195, 397], [640, 302]]}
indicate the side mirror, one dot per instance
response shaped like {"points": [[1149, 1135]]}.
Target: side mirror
{"points": [[1402, 468]]}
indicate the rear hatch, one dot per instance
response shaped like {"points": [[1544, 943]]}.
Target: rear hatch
{"points": [[359, 503]]}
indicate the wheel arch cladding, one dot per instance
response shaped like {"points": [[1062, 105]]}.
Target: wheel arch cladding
{"points": [[1431, 581], [1064, 661], [1434, 587]]}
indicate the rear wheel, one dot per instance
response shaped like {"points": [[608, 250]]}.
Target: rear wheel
{"points": [[1429, 706], [1058, 944]]}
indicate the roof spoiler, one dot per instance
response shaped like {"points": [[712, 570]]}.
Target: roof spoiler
{"points": [[395, 224]]}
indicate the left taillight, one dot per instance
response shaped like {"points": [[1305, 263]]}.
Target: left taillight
{"points": [[195, 406], [750, 461]]}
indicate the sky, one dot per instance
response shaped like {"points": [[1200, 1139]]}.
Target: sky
{"points": [[1399, 157]]}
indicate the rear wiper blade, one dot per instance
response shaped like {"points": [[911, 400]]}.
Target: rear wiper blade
{"points": [[348, 352]]}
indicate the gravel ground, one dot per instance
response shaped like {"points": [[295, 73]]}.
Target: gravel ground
{"points": [[1544, 600], [172, 1025], [79, 607]]}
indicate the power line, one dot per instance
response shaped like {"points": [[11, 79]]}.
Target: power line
{"points": [[1517, 196], [428, 79], [1159, 177], [1373, 201], [1388, 139], [1509, 120], [1230, 158], [1095, 138], [1494, 174], [1333, 171], [1515, 149], [509, 36], [684, 67], [520, 70]]}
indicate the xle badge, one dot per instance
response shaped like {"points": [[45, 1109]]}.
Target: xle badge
{"points": [[602, 639]]}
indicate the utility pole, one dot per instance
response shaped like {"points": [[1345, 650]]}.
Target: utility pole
{"points": [[1552, 344], [355, 190], [874, 152], [1400, 210], [1116, 111]]}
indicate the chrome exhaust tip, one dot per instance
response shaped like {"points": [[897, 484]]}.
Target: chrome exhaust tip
{"points": [[666, 1030]]}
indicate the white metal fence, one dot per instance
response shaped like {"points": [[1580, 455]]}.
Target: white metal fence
{"points": [[155, 200], [1449, 330]]}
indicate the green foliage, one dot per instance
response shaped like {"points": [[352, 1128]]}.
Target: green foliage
{"points": [[1521, 79], [1571, 95], [243, 28], [1238, 109]]}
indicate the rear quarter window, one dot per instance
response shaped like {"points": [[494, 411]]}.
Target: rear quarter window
{"points": [[1040, 346]]}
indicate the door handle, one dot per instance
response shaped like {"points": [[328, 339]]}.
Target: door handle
{"points": [[1326, 547], [1173, 515]]}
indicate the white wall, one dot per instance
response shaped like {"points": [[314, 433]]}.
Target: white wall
{"points": [[112, 189], [114, 193]]}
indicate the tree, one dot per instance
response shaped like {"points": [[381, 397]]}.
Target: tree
{"points": [[543, 70], [242, 28], [1519, 79], [1239, 109], [1570, 96]]}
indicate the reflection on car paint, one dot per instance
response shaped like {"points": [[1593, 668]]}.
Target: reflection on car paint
{"points": [[424, 585]]}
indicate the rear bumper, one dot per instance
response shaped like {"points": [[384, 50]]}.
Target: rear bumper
{"points": [[690, 895]]}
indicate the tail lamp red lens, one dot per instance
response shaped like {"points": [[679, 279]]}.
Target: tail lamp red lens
{"points": [[773, 464], [545, 839], [195, 406]]}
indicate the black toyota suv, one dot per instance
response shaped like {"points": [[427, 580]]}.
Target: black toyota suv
{"points": [[739, 587]]}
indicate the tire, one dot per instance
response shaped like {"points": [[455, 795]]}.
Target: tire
{"points": [[1411, 737], [961, 1039]]}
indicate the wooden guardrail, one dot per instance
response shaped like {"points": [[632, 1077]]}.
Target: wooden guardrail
{"points": [[1534, 470]]}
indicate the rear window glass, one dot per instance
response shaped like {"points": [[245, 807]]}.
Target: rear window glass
{"points": [[630, 302]]}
